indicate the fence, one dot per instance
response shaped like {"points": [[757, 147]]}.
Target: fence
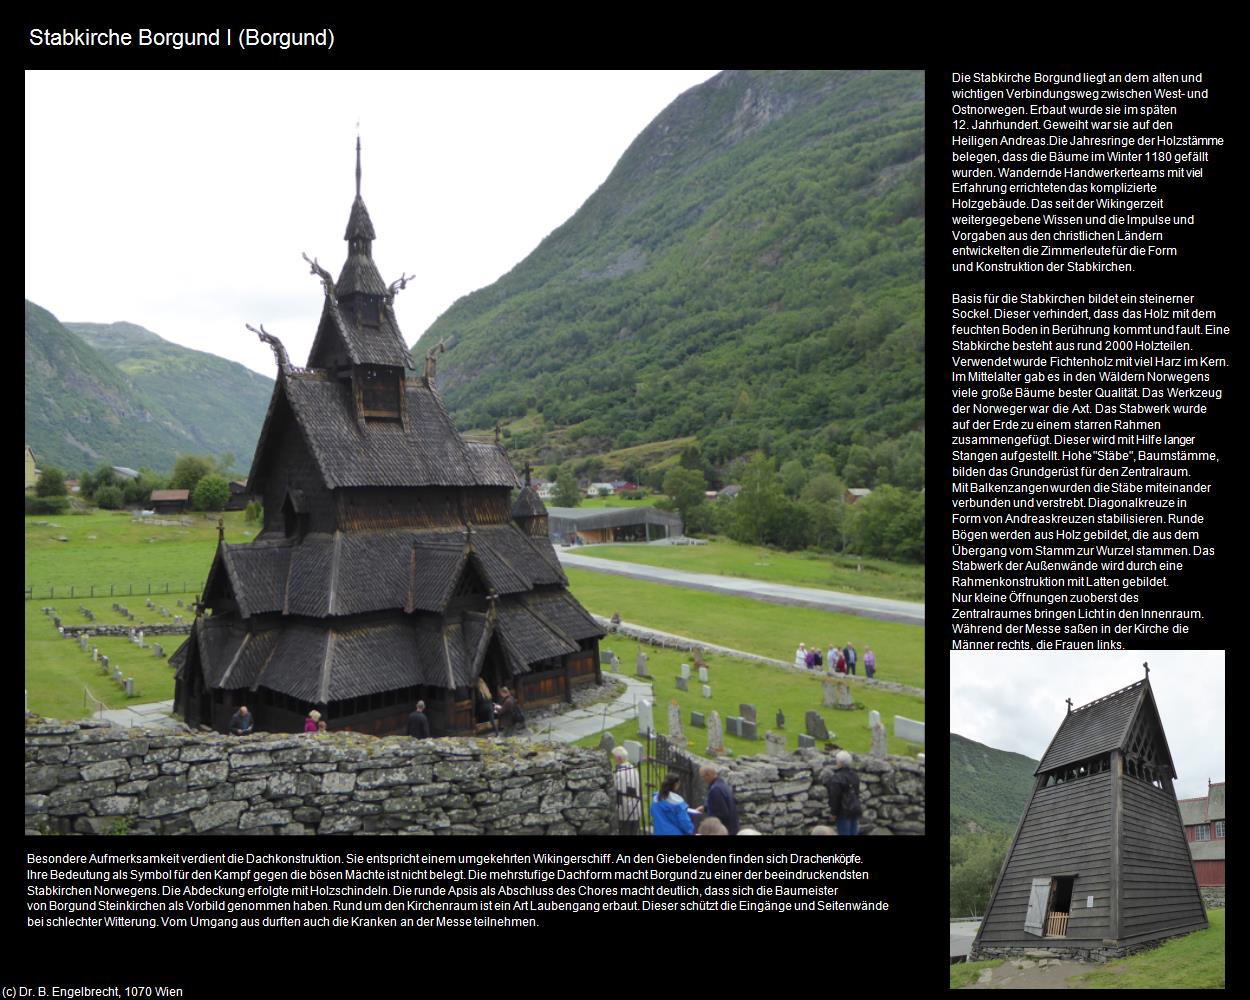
{"points": [[150, 588]]}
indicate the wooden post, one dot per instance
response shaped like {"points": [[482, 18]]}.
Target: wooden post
{"points": [[1117, 824]]}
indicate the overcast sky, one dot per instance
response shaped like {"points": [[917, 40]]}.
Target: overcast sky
{"points": [[1015, 700], [181, 201]]}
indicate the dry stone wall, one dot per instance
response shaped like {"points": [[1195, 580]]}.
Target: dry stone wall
{"points": [[787, 795], [89, 777]]}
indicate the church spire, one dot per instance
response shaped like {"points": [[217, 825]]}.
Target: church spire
{"points": [[357, 165]]}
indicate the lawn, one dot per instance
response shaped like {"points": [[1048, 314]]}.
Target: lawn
{"points": [[57, 670], [752, 626], [597, 502], [723, 557], [967, 973], [734, 682], [106, 549], [1192, 962]]}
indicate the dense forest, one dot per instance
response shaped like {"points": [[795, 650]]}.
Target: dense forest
{"points": [[749, 280]]}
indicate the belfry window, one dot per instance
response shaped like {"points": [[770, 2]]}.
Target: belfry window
{"points": [[380, 392]]}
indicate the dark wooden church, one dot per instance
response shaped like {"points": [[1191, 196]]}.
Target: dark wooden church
{"points": [[392, 564], [1099, 864]]}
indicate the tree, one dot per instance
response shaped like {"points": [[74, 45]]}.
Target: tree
{"points": [[890, 523], [212, 492], [51, 483], [92, 482], [685, 488], [110, 497], [793, 477], [758, 509], [567, 493], [189, 470]]}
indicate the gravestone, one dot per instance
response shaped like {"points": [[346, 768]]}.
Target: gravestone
{"points": [[140, 639], [733, 725], [776, 744], [117, 673], [683, 684], [634, 749], [827, 693], [607, 742], [95, 654], [646, 720], [874, 718], [56, 621], [805, 741], [816, 727], [685, 671], [703, 675], [698, 658], [60, 630], [698, 720], [640, 664], [82, 643], [149, 603], [613, 662], [878, 748], [177, 619], [180, 604], [674, 724], [781, 719], [158, 650], [747, 712], [842, 697], [130, 687], [749, 730], [909, 730], [104, 662], [715, 734], [707, 691]]}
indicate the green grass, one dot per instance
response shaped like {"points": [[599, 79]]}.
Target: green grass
{"points": [[57, 670], [107, 548], [723, 557], [772, 630], [621, 501], [734, 682], [966, 973], [1193, 962]]}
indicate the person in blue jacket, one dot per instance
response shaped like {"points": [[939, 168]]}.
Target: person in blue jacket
{"points": [[670, 816]]}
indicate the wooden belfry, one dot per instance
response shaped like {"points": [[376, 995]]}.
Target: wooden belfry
{"points": [[1099, 864], [391, 565]]}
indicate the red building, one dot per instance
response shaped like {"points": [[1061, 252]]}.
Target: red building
{"points": [[1204, 829]]}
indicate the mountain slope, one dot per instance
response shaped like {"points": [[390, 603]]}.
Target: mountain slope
{"points": [[175, 378], [989, 788], [750, 273], [83, 410]]}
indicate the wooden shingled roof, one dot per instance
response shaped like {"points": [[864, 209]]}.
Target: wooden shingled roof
{"points": [[381, 345], [428, 452], [351, 573], [1101, 726]]}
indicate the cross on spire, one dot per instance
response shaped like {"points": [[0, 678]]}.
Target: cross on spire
{"points": [[358, 159], [1069, 701], [1147, 666]]}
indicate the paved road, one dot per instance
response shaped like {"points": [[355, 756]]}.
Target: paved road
{"points": [[962, 933], [775, 593]]}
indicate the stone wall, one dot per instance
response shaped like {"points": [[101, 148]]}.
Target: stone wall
{"points": [[1212, 896], [90, 777], [786, 794]]}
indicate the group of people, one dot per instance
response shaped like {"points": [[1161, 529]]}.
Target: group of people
{"points": [[671, 816], [835, 661], [243, 724]]}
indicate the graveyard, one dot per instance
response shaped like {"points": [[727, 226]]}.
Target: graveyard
{"points": [[733, 684]]}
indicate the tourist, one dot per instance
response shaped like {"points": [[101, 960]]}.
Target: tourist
{"points": [[628, 793], [720, 799], [510, 715], [824, 831], [711, 827], [616, 621], [817, 662], [241, 722], [418, 723], [837, 665], [843, 788], [809, 660], [848, 654], [670, 816], [484, 706], [310, 723], [322, 727], [800, 656], [870, 663]]}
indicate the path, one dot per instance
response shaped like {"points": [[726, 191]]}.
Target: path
{"points": [[579, 722], [775, 593], [1027, 974]]}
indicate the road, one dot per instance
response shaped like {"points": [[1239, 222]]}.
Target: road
{"points": [[776, 593]]}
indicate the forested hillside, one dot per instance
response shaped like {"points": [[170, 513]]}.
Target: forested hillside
{"points": [[751, 274], [130, 398]]}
